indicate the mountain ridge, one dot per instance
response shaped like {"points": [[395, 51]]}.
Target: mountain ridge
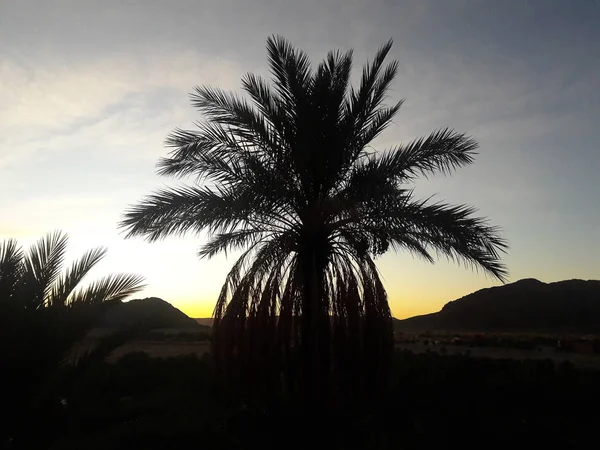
{"points": [[151, 312], [525, 305]]}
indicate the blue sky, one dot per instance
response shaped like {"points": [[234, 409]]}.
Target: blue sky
{"points": [[89, 90]]}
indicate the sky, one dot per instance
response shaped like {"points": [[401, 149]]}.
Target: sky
{"points": [[90, 89]]}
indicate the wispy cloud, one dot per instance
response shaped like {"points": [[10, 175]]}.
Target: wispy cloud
{"points": [[112, 103]]}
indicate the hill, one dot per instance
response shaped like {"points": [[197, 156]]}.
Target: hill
{"points": [[571, 306], [152, 313], [205, 321]]}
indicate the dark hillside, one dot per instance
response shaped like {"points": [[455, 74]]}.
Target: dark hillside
{"points": [[571, 306]]}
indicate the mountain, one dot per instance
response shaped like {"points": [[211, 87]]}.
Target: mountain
{"points": [[526, 305], [205, 321], [151, 313]]}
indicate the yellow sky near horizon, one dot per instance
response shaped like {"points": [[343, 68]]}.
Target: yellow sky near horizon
{"points": [[404, 303], [175, 274], [203, 308]]}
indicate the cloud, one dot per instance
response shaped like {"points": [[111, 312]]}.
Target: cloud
{"points": [[58, 94], [42, 212], [112, 102]]}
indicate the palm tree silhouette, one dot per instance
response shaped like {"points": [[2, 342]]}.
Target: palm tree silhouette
{"points": [[43, 314], [287, 179], [34, 281]]}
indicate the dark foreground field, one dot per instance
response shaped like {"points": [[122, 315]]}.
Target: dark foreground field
{"points": [[141, 402]]}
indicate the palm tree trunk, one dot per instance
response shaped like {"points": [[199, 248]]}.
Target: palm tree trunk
{"points": [[315, 345]]}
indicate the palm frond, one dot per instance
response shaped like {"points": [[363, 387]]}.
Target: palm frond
{"points": [[372, 88], [110, 288], [442, 151], [454, 232], [183, 209], [11, 268], [374, 127], [247, 129], [270, 106], [210, 139], [43, 263], [291, 72], [331, 82], [215, 156], [67, 282], [230, 241], [229, 110]]}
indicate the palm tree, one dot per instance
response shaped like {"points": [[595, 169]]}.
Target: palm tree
{"points": [[33, 281], [35, 297], [43, 313], [287, 179]]}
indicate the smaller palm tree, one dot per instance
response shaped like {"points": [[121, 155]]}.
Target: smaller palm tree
{"points": [[42, 308], [33, 280], [43, 313]]}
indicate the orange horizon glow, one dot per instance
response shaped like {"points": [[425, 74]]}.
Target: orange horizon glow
{"points": [[201, 312], [199, 309]]}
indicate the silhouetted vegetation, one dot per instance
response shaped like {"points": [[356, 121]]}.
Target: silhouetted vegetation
{"points": [[140, 402], [289, 179], [43, 313], [430, 399]]}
